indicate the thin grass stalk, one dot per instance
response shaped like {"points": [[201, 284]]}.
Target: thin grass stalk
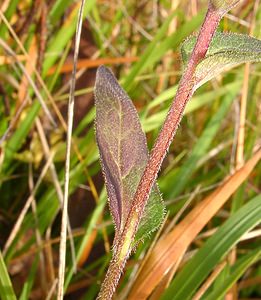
{"points": [[38, 238], [27, 205], [56, 183], [62, 250], [209, 281]]}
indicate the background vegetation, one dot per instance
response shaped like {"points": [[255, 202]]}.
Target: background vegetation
{"points": [[140, 41]]}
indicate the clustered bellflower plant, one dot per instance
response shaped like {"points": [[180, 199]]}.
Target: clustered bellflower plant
{"points": [[129, 170]]}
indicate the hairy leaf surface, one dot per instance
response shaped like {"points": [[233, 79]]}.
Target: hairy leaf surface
{"points": [[226, 51], [123, 153], [224, 6]]}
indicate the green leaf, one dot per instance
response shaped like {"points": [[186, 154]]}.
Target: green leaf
{"points": [[155, 120], [236, 272], [18, 137], [96, 214], [12, 6], [226, 51], [58, 9], [198, 268], [145, 58], [223, 6], [123, 153], [6, 288]]}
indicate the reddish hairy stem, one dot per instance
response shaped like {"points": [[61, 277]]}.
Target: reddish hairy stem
{"points": [[184, 93]]}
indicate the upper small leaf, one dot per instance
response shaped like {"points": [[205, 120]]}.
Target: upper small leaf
{"points": [[226, 51], [123, 153], [223, 6]]}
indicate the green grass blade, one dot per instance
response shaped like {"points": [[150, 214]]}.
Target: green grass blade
{"points": [[236, 272], [29, 281], [155, 121], [8, 14], [18, 137], [145, 58], [173, 41], [198, 268], [6, 287], [58, 10], [159, 46], [91, 225]]}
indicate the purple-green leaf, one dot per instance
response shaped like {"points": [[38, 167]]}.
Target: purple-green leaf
{"points": [[123, 153]]}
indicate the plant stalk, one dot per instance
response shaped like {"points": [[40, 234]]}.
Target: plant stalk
{"points": [[185, 91], [63, 235]]}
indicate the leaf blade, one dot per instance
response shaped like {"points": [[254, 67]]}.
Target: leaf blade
{"points": [[226, 51], [213, 250], [123, 152], [236, 271], [6, 287]]}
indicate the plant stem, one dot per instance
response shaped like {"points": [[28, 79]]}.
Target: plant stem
{"points": [[186, 88]]}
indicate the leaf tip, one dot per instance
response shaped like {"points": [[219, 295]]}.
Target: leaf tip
{"points": [[102, 72], [106, 83]]}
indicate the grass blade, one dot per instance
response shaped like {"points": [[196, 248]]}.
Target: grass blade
{"points": [[6, 288], [236, 272], [169, 249], [193, 274]]}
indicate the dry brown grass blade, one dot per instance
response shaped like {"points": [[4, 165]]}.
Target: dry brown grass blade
{"points": [[92, 63], [165, 282], [29, 67], [90, 243], [6, 60], [168, 250], [87, 249]]}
